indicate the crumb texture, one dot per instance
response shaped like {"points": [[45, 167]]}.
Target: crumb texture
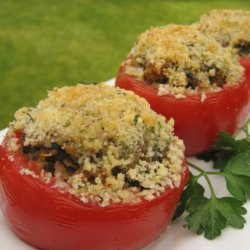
{"points": [[102, 144], [180, 59], [229, 27]]}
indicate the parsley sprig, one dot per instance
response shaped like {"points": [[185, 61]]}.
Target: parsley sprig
{"points": [[210, 215]]}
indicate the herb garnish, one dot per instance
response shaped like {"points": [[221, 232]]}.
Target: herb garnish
{"points": [[136, 117], [209, 216], [31, 118]]}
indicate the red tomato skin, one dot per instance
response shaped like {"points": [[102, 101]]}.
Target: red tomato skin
{"points": [[48, 219], [245, 62], [197, 123]]}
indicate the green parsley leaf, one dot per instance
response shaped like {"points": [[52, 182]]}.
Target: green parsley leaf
{"points": [[237, 175], [205, 217], [232, 210], [225, 148], [211, 216], [246, 128], [238, 186], [239, 165], [193, 188]]}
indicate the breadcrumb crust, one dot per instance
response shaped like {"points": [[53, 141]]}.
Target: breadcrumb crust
{"points": [[229, 27], [182, 60], [113, 135]]}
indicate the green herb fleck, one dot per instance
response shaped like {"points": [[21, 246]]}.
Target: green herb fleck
{"points": [[152, 129], [136, 117], [31, 118]]}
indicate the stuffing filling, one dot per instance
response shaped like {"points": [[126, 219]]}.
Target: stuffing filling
{"points": [[243, 48], [179, 59], [102, 144], [229, 27]]}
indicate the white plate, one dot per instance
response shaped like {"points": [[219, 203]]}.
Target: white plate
{"points": [[177, 237]]}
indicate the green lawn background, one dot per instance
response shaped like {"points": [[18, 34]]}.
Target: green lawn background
{"points": [[51, 43]]}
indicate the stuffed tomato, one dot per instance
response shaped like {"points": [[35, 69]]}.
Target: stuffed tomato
{"points": [[90, 167], [231, 28], [191, 78]]}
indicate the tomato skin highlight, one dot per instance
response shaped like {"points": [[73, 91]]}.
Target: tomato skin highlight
{"points": [[197, 123], [47, 219]]}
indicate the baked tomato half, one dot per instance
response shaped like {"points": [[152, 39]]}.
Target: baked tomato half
{"points": [[245, 62], [48, 218], [197, 121]]}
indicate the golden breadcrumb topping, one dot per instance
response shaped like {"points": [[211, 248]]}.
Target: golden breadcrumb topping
{"points": [[102, 144], [182, 60], [229, 27]]}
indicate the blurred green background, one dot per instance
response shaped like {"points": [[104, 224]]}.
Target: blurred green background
{"points": [[57, 42]]}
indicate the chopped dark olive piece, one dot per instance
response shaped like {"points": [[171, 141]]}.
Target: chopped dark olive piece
{"points": [[71, 170], [91, 179], [156, 79], [116, 170], [157, 158], [49, 156], [50, 167], [91, 159], [243, 49], [30, 149], [99, 154], [192, 82], [132, 183], [218, 79]]}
